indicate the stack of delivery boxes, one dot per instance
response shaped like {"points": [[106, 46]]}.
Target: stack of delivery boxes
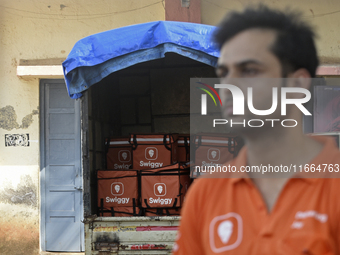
{"points": [[143, 176], [117, 186], [149, 174]]}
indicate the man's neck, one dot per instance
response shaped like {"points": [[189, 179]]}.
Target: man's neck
{"points": [[280, 147]]}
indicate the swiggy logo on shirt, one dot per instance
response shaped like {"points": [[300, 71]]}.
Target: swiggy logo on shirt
{"points": [[301, 218], [225, 232]]}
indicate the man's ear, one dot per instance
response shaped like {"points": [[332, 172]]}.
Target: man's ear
{"points": [[302, 78]]}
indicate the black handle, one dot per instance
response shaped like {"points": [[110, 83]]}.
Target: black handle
{"points": [[102, 206], [175, 203], [231, 145], [134, 142], [187, 149], [180, 190], [107, 145], [165, 143], [112, 212], [146, 202], [134, 206]]}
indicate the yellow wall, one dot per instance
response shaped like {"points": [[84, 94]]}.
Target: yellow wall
{"points": [[42, 29], [324, 15]]}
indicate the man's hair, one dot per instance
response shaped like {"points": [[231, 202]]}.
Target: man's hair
{"points": [[294, 45]]}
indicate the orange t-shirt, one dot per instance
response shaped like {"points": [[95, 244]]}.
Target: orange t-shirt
{"points": [[229, 215]]}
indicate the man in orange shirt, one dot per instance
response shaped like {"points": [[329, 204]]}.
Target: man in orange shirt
{"points": [[247, 215]]}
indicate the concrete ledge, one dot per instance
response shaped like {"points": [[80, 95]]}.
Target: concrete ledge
{"points": [[56, 71], [52, 71], [328, 70]]}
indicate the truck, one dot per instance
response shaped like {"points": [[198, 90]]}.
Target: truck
{"points": [[133, 79]]}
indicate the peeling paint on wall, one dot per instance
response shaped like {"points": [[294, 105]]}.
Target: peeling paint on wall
{"points": [[19, 217], [24, 193], [28, 120], [8, 118], [19, 230]]}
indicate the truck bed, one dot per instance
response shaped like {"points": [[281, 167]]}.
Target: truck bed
{"points": [[130, 235]]}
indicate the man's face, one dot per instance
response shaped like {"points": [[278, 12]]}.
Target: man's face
{"points": [[248, 55]]}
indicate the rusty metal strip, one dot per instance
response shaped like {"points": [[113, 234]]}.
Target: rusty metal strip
{"points": [[146, 247], [157, 228], [135, 228], [115, 229]]}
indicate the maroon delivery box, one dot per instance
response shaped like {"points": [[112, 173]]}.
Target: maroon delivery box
{"points": [[164, 187], [116, 189], [119, 153], [153, 150]]}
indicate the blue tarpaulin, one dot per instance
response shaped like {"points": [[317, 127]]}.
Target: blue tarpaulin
{"points": [[96, 56]]}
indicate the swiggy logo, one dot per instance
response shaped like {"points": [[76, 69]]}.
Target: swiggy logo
{"points": [[225, 232], [159, 189], [214, 154], [151, 153], [124, 156], [117, 188]]}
